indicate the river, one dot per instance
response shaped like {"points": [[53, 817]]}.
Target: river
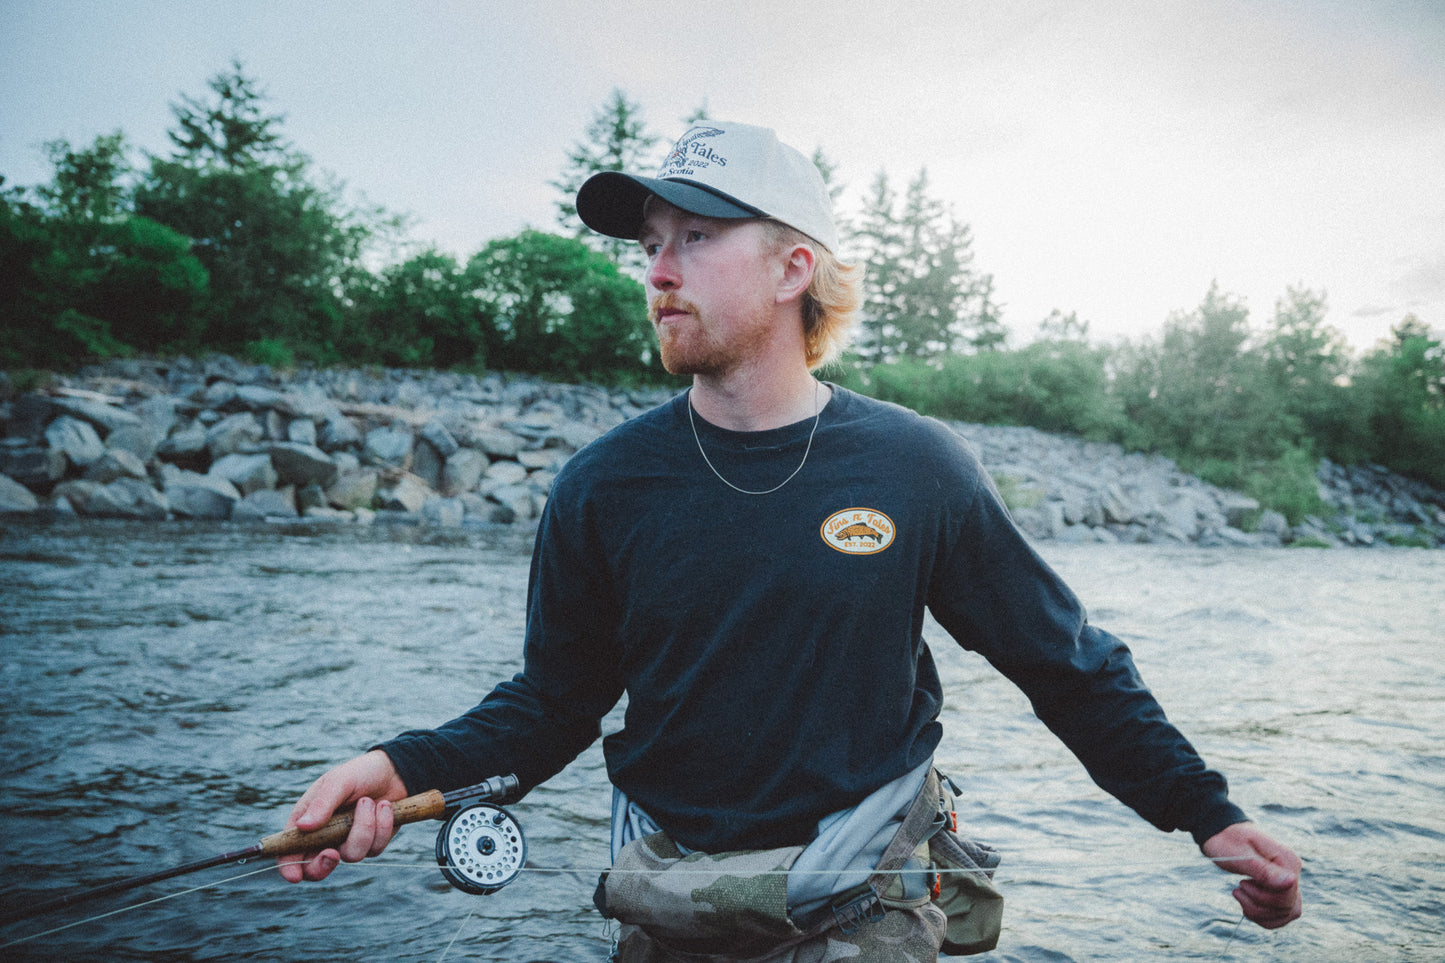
{"points": [[169, 689]]}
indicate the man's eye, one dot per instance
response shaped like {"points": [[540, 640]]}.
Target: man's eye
{"points": [[649, 249], [695, 235]]}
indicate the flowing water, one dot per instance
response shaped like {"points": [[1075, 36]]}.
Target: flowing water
{"points": [[166, 691]]}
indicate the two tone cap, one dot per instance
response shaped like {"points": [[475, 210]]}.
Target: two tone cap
{"points": [[717, 169]]}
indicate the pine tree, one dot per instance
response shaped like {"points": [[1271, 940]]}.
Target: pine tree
{"points": [[617, 139]]}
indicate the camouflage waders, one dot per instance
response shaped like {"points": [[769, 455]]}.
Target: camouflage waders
{"points": [[712, 908]]}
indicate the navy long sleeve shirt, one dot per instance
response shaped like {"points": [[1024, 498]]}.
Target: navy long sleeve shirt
{"points": [[771, 646]]}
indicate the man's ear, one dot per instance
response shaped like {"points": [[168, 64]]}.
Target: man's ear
{"points": [[797, 272]]}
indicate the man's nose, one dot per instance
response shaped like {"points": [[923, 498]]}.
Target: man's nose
{"points": [[662, 272]]}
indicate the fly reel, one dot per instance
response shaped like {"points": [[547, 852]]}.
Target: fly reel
{"points": [[481, 848]]}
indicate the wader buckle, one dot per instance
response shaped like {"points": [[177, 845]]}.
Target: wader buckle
{"points": [[852, 912]]}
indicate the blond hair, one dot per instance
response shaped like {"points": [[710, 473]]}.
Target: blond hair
{"points": [[830, 305]]}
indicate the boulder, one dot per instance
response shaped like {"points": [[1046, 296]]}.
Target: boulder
{"points": [[136, 439], [192, 495], [105, 417], [302, 431], [15, 497], [114, 464], [240, 432], [298, 464], [338, 433], [75, 492], [408, 494], [435, 434], [428, 465], [267, 503], [77, 439], [505, 473], [443, 512], [389, 447], [463, 470], [1237, 508], [33, 466], [353, 489], [186, 448], [249, 473], [158, 413], [127, 498]]}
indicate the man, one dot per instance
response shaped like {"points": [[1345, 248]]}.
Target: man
{"points": [[751, 564]]}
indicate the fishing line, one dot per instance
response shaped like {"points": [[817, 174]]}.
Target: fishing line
{"points": [[457, 935], [135, 906]]}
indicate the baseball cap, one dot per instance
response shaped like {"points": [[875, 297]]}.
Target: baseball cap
{"points": [[717, 169]]}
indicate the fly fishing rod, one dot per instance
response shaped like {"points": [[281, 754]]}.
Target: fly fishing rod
{"points": [[480, 849]]}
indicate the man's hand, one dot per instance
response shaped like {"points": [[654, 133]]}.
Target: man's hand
{"points": [[370, 782], [1270, 894]]}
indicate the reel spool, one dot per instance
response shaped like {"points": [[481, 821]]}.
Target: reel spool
{"points": [[480, 849]]}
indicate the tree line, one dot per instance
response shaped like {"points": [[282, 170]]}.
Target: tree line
{"points": [[235, 242]]}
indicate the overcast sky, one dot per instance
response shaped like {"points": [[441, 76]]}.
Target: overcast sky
{"points": [[1112, 158]]}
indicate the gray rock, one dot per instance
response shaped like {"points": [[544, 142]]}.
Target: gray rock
{"points": [[158, 413], [136, 439], [443, 512], [518, 498], [311, 496], [1238, 508], [353, 489], [302, 431], [77, 439], [240, 432], [544, 458], [339, 433], [106, 418], [115, 463], [16, 498], [192, 495], [493, 441], [186, 448], [428, 465], [75, 491], [298, 464], [435, 434], [389, 447], [218, 394], [33, 466], [463, 470], [408, 494], [1273, 523], [505, 473], [249, 473], [268, 503], [127, 498], [259, 398]]}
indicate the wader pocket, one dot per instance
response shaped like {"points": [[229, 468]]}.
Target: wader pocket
{"points": [[965, 890], [731, 904]]}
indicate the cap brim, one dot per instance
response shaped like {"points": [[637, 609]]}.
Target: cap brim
{"points": [[612, 202]]}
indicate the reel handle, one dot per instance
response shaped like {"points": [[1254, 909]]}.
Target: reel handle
{"points": [[413, 809]]}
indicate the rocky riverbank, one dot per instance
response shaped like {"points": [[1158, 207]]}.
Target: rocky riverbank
{"points": [[219, 439]]}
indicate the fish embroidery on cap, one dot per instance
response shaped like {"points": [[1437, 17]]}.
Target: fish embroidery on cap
{"points": [[858, 531], [691, 152]]}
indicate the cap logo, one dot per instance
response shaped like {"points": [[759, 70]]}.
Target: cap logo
{"points": [[691, 154], [858, 531]]}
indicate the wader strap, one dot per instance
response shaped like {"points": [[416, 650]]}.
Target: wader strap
{"points": [[918, 825]]}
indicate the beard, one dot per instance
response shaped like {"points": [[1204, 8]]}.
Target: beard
{"points": [[696, 345]]}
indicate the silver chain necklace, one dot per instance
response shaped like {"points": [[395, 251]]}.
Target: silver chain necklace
{"points": [[817, 417]]}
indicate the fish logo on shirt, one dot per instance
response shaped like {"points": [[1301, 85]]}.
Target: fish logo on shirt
{"points": [[858, 531]]}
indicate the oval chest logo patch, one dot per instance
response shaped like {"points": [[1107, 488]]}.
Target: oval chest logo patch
{"points": [[858, 531]]}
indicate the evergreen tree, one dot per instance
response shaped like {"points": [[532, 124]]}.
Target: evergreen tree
{"points": [[617, 139], [280, 245], [922, 294]]}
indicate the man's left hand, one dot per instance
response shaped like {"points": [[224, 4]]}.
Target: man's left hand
{"points": [[1270, 894]]}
